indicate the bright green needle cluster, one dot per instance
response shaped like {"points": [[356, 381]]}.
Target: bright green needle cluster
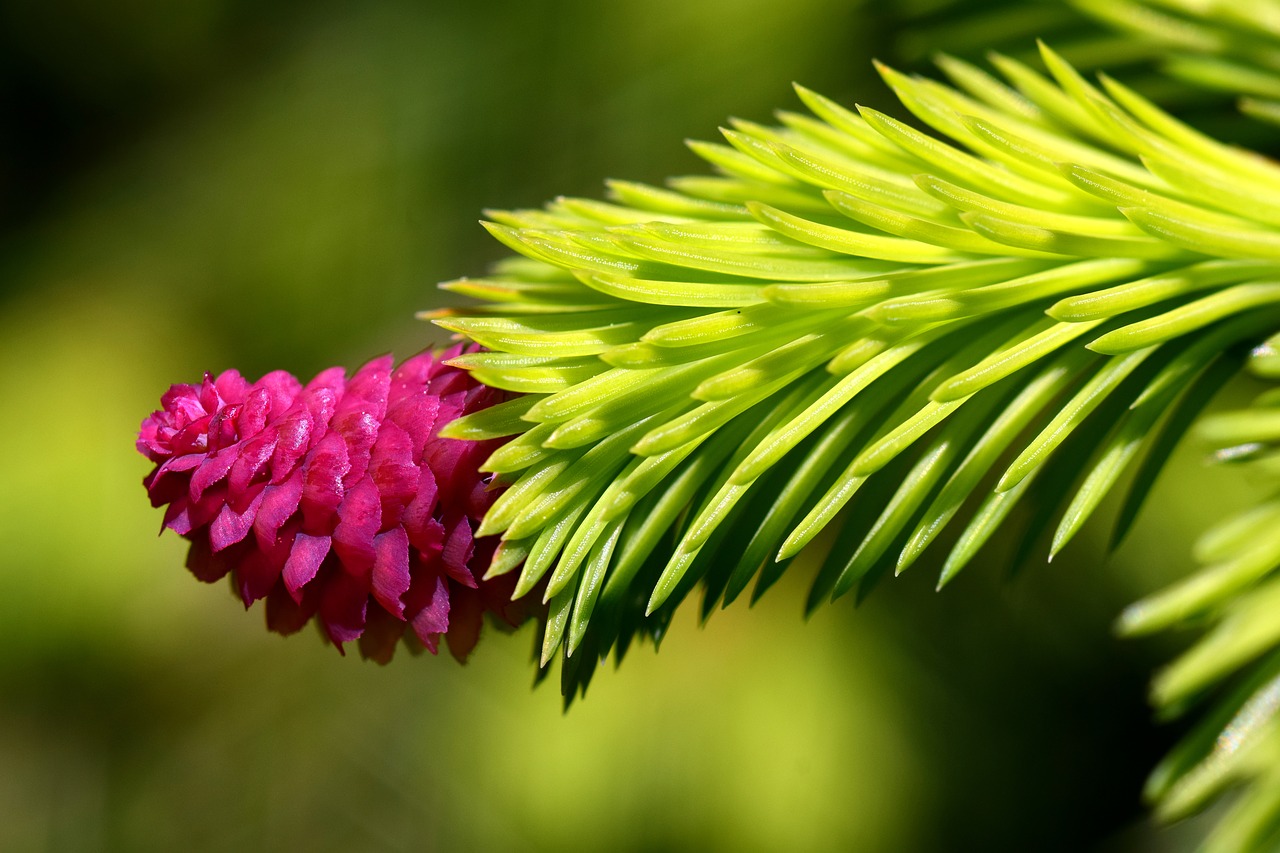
{"points": [[1231, 46], [1238, 660], [1228, 46], [893, 337], [1209, 59]]}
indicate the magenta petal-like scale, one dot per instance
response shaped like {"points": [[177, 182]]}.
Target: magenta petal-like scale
{"points": [[253, 414], [432, 619], [359, 517], [344, 601], [382, 632], [182, 403], [416, 415], [212, 470], [202, 512], [304, 561], [165, 485], [279, 503], [423, 505], [176, 517], [332, 379], [202, 563], [256, 575], [443, 457], [251, 461], [320, 403], [222, 430], [415, 371], [371, 384], [293, 437], [359, 430], [391, 578], [282, 389], [286, 616], [457, 551], [231, 386], [393, 472], [230, 527], [322, 488]]}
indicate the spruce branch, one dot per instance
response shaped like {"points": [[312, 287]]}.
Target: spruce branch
{"points": [[861, 326], [1026, 277]]}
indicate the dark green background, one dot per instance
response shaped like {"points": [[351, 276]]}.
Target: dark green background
{"points": [[214, 183]]}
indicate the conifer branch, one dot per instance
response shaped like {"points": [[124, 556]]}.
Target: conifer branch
{"points": [[861, 326]]}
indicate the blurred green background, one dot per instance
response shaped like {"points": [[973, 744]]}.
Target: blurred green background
{"points": [[214, 183]]}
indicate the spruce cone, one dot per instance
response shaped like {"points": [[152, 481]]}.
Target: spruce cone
{"points": [[336, 499]]}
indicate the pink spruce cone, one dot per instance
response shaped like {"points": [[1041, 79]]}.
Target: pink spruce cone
{"points": [[337, 499]]}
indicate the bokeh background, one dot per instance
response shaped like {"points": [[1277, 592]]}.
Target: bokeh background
{"points": [[214, 183]]}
